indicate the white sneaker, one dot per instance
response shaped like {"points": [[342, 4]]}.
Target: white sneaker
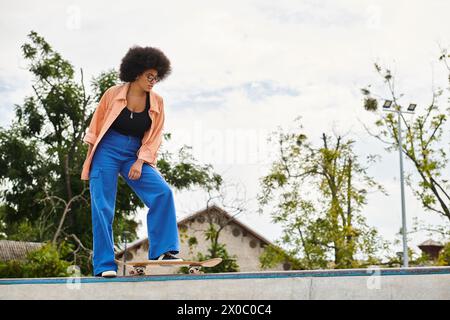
{"points": [[109, 274]]}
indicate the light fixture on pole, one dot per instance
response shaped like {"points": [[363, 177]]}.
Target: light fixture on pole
{"points": [[412, 107], [387, 104]]}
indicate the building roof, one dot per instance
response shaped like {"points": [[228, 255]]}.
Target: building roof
{"points": [[16, 250], [430, 243], [196, 214]]}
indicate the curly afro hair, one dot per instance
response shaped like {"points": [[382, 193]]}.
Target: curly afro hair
{"points": [[138, 59]]}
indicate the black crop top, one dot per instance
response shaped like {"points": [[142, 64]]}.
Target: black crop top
{"points": [[133, 123]]}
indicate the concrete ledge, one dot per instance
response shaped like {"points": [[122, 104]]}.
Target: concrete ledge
{"points": [[411, 283]]}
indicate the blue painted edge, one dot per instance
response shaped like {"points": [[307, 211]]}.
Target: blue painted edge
{"points": [[237, 275]]}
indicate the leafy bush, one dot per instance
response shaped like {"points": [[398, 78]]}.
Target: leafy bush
{"points": [[43, 262], [444, 256]]}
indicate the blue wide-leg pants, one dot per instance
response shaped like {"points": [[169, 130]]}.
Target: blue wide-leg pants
{"points": [[114, 156]]}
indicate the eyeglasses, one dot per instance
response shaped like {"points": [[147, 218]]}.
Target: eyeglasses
{"points": [[151, 78]]}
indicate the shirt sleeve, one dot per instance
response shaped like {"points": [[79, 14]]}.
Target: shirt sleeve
{"points": [[97, 119], [149, 151]]}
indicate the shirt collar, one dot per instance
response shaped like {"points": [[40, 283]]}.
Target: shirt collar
{"points": [[122, 95]]}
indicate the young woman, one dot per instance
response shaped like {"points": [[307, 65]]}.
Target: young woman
{"points": [[124, 137]]}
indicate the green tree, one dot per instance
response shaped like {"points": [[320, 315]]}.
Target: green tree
{"points": [[319, 193], [444, 256], [423, 142]]}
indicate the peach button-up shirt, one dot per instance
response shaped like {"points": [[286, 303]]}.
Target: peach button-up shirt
{"points": [[110, 106]]}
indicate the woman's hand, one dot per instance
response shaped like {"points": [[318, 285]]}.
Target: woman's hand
{"points": [[135, 170]]}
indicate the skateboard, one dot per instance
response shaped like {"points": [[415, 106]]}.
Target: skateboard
{"points": [[195, 267]]}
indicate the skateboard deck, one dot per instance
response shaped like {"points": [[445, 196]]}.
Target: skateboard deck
{"points": [[194, 266]]}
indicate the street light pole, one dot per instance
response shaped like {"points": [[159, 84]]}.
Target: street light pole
{"points": [[399, 112], [125, 233], [402, 188]]}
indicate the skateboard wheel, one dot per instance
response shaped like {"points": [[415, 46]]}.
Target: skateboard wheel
{"points": [[140, 271], [195, 270]]}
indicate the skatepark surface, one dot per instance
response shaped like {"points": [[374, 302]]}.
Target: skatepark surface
{"points": [[372, 283]]}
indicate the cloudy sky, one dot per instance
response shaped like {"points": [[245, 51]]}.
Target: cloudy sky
{"points": [[242, 68]]}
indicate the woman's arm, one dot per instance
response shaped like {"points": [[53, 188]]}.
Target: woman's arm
{"points": [[149, 151], [97, 118]]}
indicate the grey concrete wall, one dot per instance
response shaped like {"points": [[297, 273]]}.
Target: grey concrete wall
{"points": [[423, 283]]}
